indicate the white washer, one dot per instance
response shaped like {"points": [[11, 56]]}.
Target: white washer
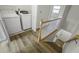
{"points": [[12, 23]]}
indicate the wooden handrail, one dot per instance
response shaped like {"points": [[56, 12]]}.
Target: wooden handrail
{"points": [[76, 37], [43, 22], [50, 20]]}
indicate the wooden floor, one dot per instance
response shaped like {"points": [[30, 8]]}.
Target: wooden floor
{"points": [[27, 43]]}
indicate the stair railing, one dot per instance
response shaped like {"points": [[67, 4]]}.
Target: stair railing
{"points": [[41, 24]]}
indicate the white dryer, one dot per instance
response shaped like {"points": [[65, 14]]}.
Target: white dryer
{"points": [[26, 21]]}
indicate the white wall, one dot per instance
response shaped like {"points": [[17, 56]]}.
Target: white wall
{"points": [[39, 12], [34, 17], [72, 20], [15, 7], [43, 12]]}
